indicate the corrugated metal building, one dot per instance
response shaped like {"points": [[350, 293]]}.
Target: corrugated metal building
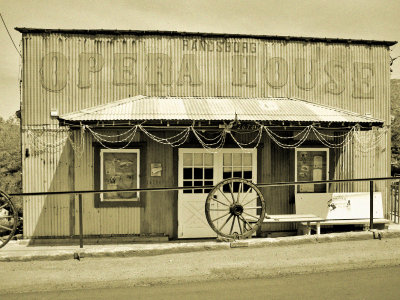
{"points": [[139, 109]]}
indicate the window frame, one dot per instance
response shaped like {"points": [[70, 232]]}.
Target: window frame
{"points": [[315, 149], [97, 147], [102, 152]]}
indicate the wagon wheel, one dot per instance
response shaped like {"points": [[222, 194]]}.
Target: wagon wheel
{"points": [[8, 219], [235, 208]]}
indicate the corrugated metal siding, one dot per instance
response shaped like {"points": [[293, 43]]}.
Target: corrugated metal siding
{"points": [[215, 81], [48, 171], [100, 221]]}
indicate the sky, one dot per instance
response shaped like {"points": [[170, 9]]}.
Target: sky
{"points": [[355, 19]]}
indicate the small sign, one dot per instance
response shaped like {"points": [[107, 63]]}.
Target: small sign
{"points": [[156, 169]]}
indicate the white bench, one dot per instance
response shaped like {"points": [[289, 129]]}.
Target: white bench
{"points": [[308, 219], [364, 222]]}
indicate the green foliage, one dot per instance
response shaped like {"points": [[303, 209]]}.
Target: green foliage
{"points": [[10, 158], [395, 112]]}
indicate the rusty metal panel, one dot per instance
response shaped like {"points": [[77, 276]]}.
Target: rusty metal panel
{"points": [[221, 108]]}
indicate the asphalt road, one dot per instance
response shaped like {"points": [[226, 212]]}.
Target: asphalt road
{"points": [[375, 283]]}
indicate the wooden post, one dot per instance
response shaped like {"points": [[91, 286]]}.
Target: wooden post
{"points": [[80, 222], [371, 205]]}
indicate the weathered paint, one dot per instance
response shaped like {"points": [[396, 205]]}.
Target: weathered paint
{"points": [[70, 72], [74, 72]]}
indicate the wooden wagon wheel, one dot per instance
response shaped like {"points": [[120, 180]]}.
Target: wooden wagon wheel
{"points": [[235, 208], [8, 219]]}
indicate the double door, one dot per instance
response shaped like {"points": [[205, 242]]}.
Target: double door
{"points": [[199, 167]]}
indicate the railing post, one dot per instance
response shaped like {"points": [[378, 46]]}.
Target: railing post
{"points": [[371, 205], [80, 222]]}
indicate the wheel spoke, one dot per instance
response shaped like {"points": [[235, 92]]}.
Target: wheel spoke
{"points": [[226, 221], [245, 222], [233, 223], [240, 226], [248, 202], [220, 202], [246, 194], [230, 189], [254, 207], [251, 215], [4, 205], [4, 227], [220, 217], [218, 209], [223, 194], [238, 195]]}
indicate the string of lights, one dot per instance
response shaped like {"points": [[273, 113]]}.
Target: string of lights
{"points": [[42, 139]]}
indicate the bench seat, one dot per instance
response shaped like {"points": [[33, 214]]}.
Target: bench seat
{"points": [[365, 222], [293, 218]]}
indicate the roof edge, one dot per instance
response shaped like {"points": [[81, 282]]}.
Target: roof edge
{"points": [[26, 30]]}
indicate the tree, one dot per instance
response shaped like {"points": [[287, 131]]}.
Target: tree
{"points": [[10, 158], [395, 128]]}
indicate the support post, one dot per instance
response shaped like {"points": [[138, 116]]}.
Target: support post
{"points": [[80, 222], [371, 205]]}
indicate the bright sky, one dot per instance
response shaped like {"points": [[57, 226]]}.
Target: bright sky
{"points": [[356, 19]]}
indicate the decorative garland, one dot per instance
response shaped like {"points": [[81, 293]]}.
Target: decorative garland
{"points": [[39, 138]]}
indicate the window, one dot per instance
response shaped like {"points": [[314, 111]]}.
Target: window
{"points": [[119, 169], [198, 170], [312, 165], [237, 164]]}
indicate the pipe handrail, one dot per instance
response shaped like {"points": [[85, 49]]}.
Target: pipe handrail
{"points": [[164, 189]]}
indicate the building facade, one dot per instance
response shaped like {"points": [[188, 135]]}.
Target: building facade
{"points": [[106, 109]]}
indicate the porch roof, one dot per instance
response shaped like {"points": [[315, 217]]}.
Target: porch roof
{"points": [[143, 108]]}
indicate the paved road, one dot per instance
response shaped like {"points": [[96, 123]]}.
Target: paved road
{"points": [[375, 283], [118, 273]]}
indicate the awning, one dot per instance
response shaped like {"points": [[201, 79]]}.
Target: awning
{"points": [[143, 108]]}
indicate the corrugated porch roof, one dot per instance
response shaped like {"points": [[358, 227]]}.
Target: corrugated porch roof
{"points": [[143, 108]]}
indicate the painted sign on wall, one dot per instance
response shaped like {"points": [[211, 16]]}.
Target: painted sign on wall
{"points": [[244, 64]]}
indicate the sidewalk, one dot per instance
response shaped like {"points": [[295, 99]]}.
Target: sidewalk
{"points": [[21, 251]]}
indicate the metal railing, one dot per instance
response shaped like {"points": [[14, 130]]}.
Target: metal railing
{"points": [[394, 202], [371, 181]]}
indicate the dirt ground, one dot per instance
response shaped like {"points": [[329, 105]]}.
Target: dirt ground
{"points": [[271, 261]]}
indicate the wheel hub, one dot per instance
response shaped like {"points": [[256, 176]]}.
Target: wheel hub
{"points": [[236, 209]]}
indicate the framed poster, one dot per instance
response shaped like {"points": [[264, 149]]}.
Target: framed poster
{"points": [[119, 170], [312, 164]]}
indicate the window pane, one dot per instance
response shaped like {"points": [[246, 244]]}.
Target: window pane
{"points": [[208, 159], [188, 183], [247, 159], [208, 173], [248, 175], [237, 159], [187, 159], [198, 183], [198, 159], [198, 173], [227, 159], [187, 173], [119, 172], [227, 173], [237, 174]]}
